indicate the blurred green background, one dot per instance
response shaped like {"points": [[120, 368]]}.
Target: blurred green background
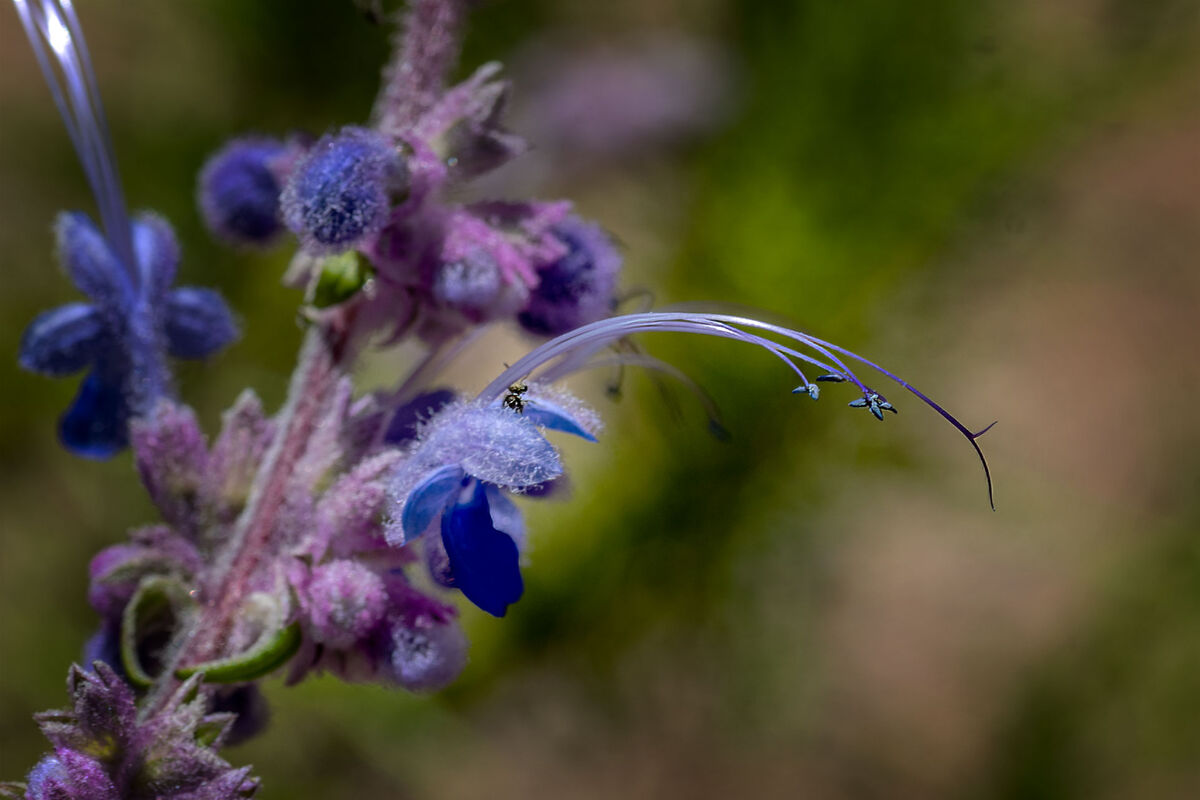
{"points": [[999, 200]]}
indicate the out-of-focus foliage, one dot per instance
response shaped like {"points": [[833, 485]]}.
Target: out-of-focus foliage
{"points": [[999, 200]]}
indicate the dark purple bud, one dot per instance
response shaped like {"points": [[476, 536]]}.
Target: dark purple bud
{"points": [[63, 340], [403, 426], [248, 703], [427, 654], [198, 323], [577, 288], [339, 195], [239, 191], [832, 377]]}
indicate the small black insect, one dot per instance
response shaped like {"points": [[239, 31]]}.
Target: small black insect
{"points": [[513, 399]]}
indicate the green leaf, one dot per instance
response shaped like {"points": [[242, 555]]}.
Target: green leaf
{"points": [[275, 645], [154, 613]]}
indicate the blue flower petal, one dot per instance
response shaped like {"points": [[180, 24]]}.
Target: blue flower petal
{"points": [[157, 252], [428, 499], [62, 340], [554, 417], [91, 263], [198, 323], [484, 560], [506, 517], [96, 424]]}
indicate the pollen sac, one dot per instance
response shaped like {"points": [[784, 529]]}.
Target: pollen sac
{"points": [[340, 194], [577, 288], [811, 389], [239, 191]]}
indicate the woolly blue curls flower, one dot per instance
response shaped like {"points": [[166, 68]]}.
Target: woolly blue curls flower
{"points": [[467, 453], [134, 318]]}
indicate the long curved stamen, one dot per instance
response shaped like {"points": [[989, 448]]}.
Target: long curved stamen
{"points": [[574, 348], [54, 24], [658, 365]]}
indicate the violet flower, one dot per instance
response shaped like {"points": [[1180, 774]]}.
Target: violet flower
{"points": [[465, 459], [134, 318]]}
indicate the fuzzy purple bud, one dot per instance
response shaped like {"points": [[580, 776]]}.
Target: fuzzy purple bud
{"points": [[577, 288], [69, 776], [471, 284], [172, 459], [427, 654], [239, 191], [339, 195], [346, 601]]}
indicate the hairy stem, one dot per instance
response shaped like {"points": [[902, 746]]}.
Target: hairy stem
{"points": [[252, 543], [424, 51]]}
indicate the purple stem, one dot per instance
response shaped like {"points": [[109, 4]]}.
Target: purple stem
{"points": [[425, 50]]}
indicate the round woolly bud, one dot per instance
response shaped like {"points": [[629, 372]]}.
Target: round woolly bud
{"points": [[577, 288], [239, 192], [471, 283], [427, 655], [338, 195], [345, 601]]}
